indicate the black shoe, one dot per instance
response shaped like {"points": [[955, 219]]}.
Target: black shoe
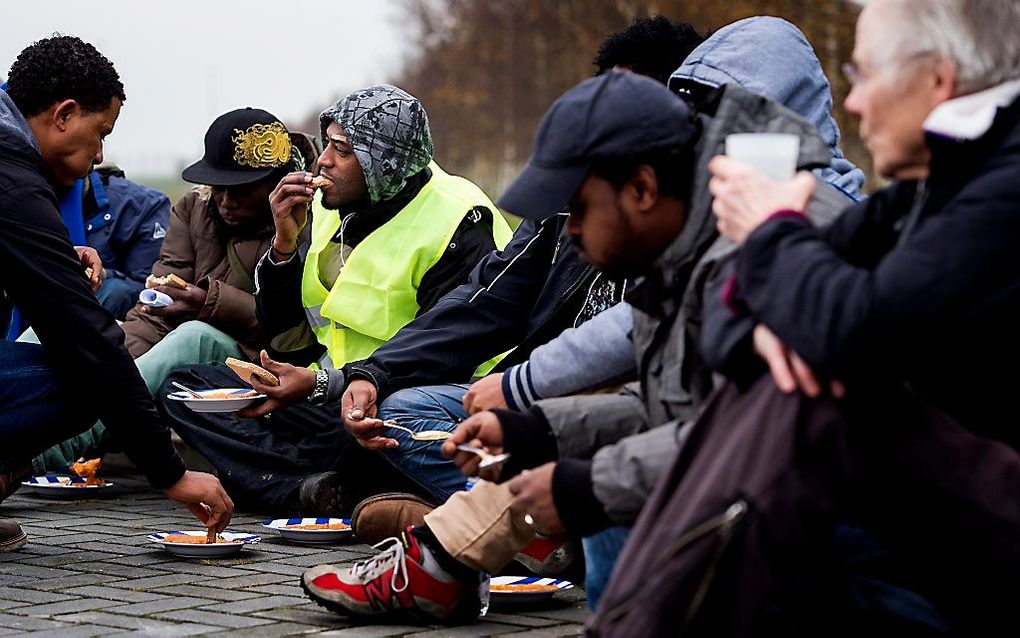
{"points": [[12, 537], [323, 494]]}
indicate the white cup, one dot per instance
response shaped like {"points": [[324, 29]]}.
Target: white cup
{"points": [[772, 154]]}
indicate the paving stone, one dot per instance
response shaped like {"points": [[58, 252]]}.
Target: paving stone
{"points": [[255, 580], [155, 582], [77, 631], [574, 613], [371, 631], [559, 630], [205, 617], [304, 615], [207, 570], [214, 593], [63, 607], [188, 629], [257, 604], [63, 582], [127, 623], [270, 631], [519, 619], [66, 559], [281, 589], [168, 603], [27, 623], [113, 593], [114, 569], [481, 628], [18, 594]]}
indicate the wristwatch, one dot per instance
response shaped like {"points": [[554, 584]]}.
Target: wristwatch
{"points": [[318, 395]]}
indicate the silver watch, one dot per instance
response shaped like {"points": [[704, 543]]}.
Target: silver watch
{"points": [[318, 395]]}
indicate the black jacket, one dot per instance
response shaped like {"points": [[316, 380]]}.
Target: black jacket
{"points": [[523, 296], [278, 305], [920, 284], [41, 274]]}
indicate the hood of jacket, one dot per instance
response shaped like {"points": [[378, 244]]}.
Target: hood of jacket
{"points": [[389, 131], [14, 126], [771, 57]]}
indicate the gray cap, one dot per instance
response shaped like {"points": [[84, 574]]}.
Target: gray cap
{"points": [[615, 114]]}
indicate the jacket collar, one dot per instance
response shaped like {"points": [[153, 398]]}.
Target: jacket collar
{"points": [[971, 116]]}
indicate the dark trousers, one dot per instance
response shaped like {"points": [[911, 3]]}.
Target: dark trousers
{"points": [[738, 537], [34, 411], [262, 462]]}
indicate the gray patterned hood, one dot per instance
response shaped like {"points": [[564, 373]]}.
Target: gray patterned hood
{"points": [[389, 131]]}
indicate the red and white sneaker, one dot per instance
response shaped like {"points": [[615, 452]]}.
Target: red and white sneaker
{"points": [[547, 555], [404, 578]]}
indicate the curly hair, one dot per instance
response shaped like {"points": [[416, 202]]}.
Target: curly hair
{"points": [[654, 46], [62, 67]]}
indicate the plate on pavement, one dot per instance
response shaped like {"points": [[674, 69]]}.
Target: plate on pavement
{"points": [[176, 543], [525, 589], [312, 531], [222, 400], [62, 486]]}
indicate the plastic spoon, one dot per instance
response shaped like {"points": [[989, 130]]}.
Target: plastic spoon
{"points": [[186, 389], [487, 459], [427, 435]]}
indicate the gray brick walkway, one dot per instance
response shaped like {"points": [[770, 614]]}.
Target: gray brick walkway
{"points": [[89, 571]]}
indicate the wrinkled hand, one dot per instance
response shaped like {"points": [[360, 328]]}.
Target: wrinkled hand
{"points": [[482, 430], [204, 495], [188, 303], [359, 412], [744, 198], [533, 495], [92, 264], [485, 394], [789, 371], [296, 384], [289, 201]]}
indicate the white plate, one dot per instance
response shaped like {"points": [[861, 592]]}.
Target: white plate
{"points": [[204, 550], [216, 405], [63, 486], [310, 536], [525, 596]]}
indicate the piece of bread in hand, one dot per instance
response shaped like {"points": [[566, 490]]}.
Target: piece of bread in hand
{"points": [[171, 280], [321, 181], [247, 370]]}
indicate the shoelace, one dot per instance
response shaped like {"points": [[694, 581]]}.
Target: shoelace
{"points": [[373, 567]]}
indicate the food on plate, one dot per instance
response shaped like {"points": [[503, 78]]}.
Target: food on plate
{"points": [[171, 280], [523, 588], [321, 181], [229, 394], [247, 371], [340, 526], [432, 435], [196, 540], [87, 470]]}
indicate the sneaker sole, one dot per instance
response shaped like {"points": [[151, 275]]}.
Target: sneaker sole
{"points": [[14, 544], [405, 614]]}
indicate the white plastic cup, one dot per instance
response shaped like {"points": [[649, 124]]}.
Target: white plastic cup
{"points": [[154, 298], [772, 154]]}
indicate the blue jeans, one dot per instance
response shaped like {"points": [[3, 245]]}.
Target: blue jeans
{"points": [[600, 553], [119, 295], [436, 407], [33, 411]]}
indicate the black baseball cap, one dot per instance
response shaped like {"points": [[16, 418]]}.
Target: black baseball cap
{"points": [[615, 114], [241, 147]]}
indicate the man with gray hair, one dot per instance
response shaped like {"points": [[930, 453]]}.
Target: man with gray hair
{"points": [[881, 334], [391, 233]]}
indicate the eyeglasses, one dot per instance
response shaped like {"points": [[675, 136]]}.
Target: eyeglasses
{"points": [[853, 74]]}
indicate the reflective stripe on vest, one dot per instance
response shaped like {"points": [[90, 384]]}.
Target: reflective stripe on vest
{"points": [[375, 294]]}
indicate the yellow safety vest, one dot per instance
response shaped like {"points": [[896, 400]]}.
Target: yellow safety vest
{"points": [[376, 293]]}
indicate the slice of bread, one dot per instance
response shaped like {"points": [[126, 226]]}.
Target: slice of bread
{"points": [[247, 370], [171, 280], [321, 181]]}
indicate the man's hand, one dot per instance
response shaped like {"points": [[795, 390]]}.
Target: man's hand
{"points": [[485, 394], [188, 303], [289, 201], [205, 497], [482, 430], [359, 412], [533, 495], [93, 265], [296, 384], [789, 371], [744, 198]]}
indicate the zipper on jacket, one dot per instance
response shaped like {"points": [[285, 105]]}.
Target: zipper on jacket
{"points": [[724, 525]]}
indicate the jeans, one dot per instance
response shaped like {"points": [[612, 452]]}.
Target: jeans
{"points": [[33, 412], [600, 553], [192, 342], [119, 295], [437, 407]]}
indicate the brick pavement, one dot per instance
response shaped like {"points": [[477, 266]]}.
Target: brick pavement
{"points": [[89, 571]]}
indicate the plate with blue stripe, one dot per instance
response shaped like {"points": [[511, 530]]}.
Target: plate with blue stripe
{"points": [[314, 531], [61, 486], [525, 588]]}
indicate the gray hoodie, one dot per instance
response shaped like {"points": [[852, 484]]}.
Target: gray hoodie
{"points": [[764, 55]]}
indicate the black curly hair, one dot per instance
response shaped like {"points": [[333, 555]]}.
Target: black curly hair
{"points": [[62, 67], [654, 46]]}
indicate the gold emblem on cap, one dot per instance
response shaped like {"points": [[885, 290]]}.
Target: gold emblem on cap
{"points": [[262, 146]]}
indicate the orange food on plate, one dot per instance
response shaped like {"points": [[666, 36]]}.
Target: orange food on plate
{"points": [[227, 394], [87, 470], [194, 540], [521, 588], [320, 526]]}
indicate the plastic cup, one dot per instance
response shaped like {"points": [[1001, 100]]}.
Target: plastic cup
{"points": [[772, 154]]}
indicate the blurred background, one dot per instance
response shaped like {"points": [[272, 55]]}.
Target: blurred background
{"points": [[486, 70]]}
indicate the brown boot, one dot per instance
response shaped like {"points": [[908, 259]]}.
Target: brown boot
{"points": [[12, 537], [380, 517], [11, 481]]}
